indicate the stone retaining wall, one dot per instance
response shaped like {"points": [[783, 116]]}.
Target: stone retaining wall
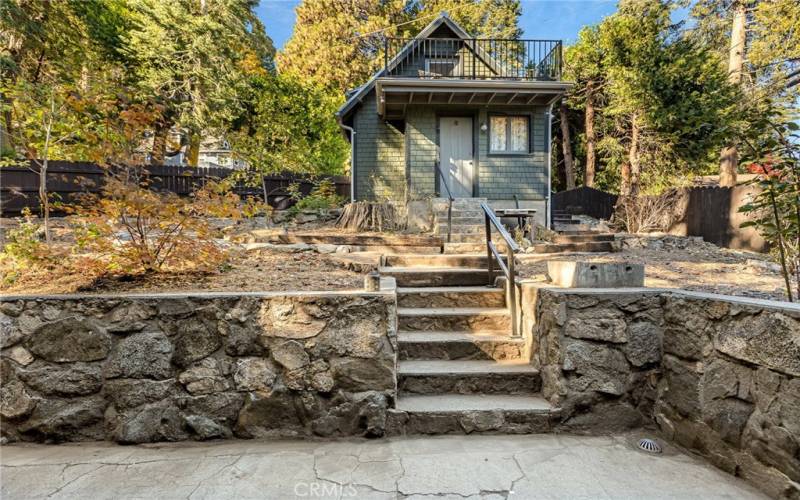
{"points": [[716, 374], [171, 367]]}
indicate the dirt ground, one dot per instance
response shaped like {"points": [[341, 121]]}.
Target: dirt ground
{"points": [[686, 263], [260, 271]]}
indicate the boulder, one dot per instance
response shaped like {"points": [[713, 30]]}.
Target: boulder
{"points": [[125, 393], [74, 419], [595, 367], [69, 339], [290, 317], [356, 374], [19, 355], [150, 423], [268, 415], [141, 355], [204, 377], [768, 339], [74, 379], [290, 354], [15, 401], [205, 428], [243, 340], [10, 333], [194, 341], [683, 386], [644, 343], [254, 374]]}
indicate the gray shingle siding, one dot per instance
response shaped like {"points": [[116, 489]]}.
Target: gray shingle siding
{"points": [[380, 156], [382, 164]]}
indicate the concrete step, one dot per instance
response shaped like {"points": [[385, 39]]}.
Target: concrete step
{"points": [[441, 229], [471, 414], [460, 296], [461, 213], [574, 232], [436, 276], [563, 228], [565, 220], [580, 238], [393, 250], [471, 319], [477, 261], [466, 237], [458, 346], [467, 377], [469, 220], [590, 246], [455, 247]]}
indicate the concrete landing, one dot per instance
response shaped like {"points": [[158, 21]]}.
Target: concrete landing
{"points": [[472, 402], [522, 467]]}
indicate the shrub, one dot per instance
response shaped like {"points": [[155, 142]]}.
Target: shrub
{"points": [[138, 229], [322, 198]]}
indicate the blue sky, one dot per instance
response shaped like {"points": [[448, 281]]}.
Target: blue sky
{"points": [[540, 18]]}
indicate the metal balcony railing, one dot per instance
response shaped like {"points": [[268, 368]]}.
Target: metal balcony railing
{"points": [[473, 58]]}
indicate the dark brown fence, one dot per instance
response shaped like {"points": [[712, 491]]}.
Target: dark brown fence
{"points": [[585, 201], [19, 185], [713, 213]]}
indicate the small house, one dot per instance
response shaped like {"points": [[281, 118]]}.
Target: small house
{"points": [[449, 115]]}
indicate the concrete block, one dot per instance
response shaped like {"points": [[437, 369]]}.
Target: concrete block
{"points": [[595, 274]]}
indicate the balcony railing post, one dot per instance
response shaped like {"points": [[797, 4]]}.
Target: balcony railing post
{"points": [[474, 57]]}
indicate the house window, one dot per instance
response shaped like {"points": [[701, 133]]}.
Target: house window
{"points": [[440, 66], [509, 134]]}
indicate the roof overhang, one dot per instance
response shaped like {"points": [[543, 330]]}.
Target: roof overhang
{"points": [[394, 95]]}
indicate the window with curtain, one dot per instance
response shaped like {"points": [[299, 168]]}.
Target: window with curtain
{"points": [[509, 134]]}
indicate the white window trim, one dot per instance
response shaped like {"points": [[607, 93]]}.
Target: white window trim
{"points": [[440, 60], [508, 151]]}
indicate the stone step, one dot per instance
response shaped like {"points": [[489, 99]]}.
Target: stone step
{"points": [[590, 246], [392, 250], [441, 229], [458, 345], [469, 220], [565, 220], [436, 276], [466, 237], [471, 319], [475, 261], [471, 414], [477, 213], [563, 228], [580, 238], [575, 232], [462, 247], [459, 296], [467, 377]]}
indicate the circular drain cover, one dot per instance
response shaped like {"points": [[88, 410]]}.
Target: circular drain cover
{"points": [[649, 445]]}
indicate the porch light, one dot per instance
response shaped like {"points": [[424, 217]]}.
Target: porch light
{"points": [[484, 127]]}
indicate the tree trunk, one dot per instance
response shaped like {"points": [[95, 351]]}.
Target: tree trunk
{"points": [[633, 156], [591, 139], [44, 199], [729, 158], [160, 142], [569, 165], [625, 179], [193, 150]]}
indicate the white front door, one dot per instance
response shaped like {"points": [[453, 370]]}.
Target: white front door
{"points": [[455, 153]]}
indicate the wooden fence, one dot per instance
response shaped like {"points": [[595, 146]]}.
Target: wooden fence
{"points": [[19, 185], [709, 212], [585, 201]]}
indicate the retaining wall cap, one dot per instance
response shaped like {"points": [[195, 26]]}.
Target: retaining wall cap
{"points": [[384, 292]]}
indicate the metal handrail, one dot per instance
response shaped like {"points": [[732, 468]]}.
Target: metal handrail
{"points": [[493, 255], [449, 203]]}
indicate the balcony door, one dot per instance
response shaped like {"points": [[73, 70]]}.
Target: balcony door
{"points": [[456, 155]]}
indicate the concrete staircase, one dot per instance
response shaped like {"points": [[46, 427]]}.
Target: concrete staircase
{"points": [[574, 237], [468, 226], [459, 369]]}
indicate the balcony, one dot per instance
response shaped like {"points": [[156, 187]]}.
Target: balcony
{"points": [[482, 59]]}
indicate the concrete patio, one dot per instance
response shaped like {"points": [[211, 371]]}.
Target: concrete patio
{"points": [[530, 466]]}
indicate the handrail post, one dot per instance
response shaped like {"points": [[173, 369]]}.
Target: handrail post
{"points": [[512, 293], [449, 218], [489, 255]]}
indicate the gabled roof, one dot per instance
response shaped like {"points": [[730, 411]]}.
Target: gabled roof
{"points": [[361, 92]]}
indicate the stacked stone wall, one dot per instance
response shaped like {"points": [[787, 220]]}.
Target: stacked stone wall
{"points": [[166, 368], [718, 375]]}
